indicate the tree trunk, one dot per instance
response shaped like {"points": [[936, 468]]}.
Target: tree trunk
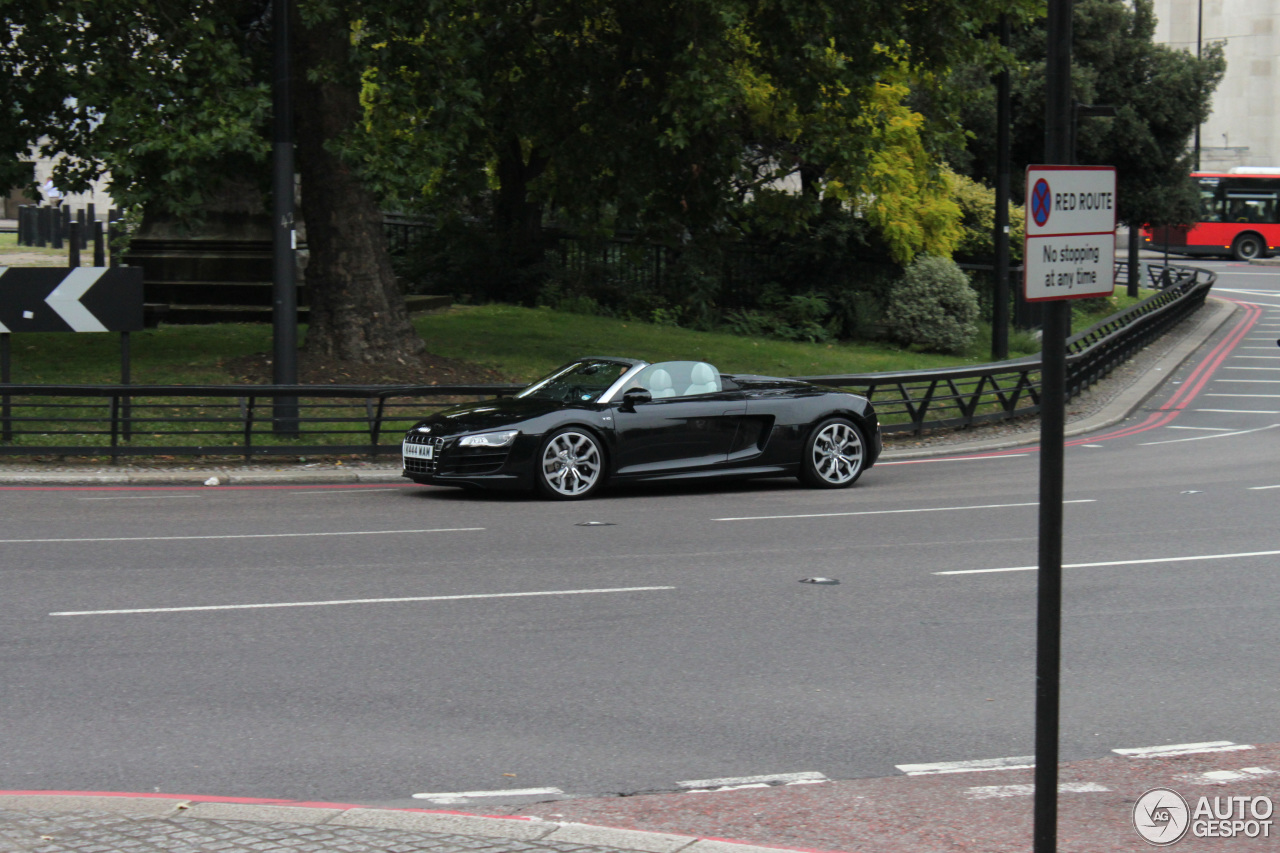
{"points": [[357, 308], [518, 219]]}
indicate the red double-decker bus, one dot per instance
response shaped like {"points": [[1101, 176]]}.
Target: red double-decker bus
{"points": [[1239, 217]]}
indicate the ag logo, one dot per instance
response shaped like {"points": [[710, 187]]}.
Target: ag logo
{"points": [[1161, 816]]}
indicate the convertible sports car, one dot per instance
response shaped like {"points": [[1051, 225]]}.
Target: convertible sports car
{"points": [[605, 419]]}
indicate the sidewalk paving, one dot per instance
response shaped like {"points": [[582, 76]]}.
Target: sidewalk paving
{"points": [[941, 811]]}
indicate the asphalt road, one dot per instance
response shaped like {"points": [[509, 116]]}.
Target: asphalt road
{"points": [[368, 644]]}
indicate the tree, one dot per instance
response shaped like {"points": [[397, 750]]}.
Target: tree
{"points": [[172, 98], [1161, 95], [664, 115]]}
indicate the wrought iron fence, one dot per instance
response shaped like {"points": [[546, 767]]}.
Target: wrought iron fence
{"points": [[238, 420], [955, 397]]}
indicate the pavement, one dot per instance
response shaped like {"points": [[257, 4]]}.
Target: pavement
{"points": [[972, 806]]}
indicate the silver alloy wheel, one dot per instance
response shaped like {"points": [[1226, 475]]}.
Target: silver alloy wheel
{"points": [[837, 453], [571, 464]]}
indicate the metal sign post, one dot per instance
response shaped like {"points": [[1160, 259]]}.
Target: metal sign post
{"points": [[1057, 319]]}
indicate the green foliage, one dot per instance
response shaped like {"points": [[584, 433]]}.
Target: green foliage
{"points": [[1161, 93], [663, 116], [977, 204], [799, 317], [169, 96], [933, 307]]}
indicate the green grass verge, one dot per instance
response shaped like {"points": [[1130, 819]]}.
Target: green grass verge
{"points": [[518, 343]]}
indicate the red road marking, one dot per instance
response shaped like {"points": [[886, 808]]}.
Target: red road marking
{"points": [[197, 487]]}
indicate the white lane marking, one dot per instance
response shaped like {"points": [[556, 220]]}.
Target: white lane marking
{"points": [[989, 792], [1221, 777], [954, 459], [1182, 749], [1020, 762], [145, 498], [343, 491], [1260, 488], [1251, 381], [1272, 348], [1246, 396], [1151, 561], [1240, 411], [892, 511], [1215, 435], [1203, 429], [756, 781], [241, 536], [454, 797], [1239, 367], [359, 601], [1260, 357]]}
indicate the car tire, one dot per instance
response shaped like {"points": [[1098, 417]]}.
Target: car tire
{"points": [[570, 465], [1248, 246], [834, 455]]}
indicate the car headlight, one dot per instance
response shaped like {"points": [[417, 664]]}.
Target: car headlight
{"points": [[490, 439]]}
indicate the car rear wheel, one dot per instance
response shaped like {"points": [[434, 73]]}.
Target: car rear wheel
{"points": [[1247, 247], [570, 465], [834, 455]]}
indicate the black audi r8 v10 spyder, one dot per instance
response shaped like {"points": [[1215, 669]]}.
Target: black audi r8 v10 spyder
{"points": [[603, 419]]}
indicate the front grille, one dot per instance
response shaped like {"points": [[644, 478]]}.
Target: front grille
{"points": [[473, 460], [413, 465]]}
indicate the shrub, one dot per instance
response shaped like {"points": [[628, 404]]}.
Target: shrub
{"points": [[933, 307]]}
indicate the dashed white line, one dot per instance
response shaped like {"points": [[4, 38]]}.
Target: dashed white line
{"points": [[454, 797], [1204, 429], [1240, 411], [241, 536], [1220, 777], [1151, 561], [756, 781], [954, 459], [988, 792], [359, 601], [1260, 488], [892, 511], [1228, 434], [1173, 749], [345, 491], [144, 498], [1020, 762]]}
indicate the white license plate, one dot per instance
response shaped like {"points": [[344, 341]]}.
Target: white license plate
{"points": [[418, 451]]}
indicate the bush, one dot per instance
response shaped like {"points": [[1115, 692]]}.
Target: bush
{"points": [[933, 307]]}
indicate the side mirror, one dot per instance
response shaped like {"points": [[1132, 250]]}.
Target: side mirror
{"points": [[635, 395]]}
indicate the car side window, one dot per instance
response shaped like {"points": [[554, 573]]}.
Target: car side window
{"points": [[668, 379]]}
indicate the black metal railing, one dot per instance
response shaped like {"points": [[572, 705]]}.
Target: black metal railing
{"points": [[237, 420], [918, 400]]}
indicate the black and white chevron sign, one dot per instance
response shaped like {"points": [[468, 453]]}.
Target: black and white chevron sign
{"points": [[57, 299]]}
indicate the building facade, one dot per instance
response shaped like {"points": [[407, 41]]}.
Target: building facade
{"points": [[1244, 128]]}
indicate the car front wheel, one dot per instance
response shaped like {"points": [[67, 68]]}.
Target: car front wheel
{"points": [[570, 465], [834, 455]]}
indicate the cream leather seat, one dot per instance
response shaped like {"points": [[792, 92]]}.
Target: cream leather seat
{"points": [[704, 380]]}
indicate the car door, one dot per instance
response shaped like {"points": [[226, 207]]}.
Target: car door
{"points": [[678, 432]]}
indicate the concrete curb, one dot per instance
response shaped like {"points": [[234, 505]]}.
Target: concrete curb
{"points": [[1205, 323], [162, 806]]}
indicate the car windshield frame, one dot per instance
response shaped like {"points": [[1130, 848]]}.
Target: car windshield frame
{"points": [[545, 388]]}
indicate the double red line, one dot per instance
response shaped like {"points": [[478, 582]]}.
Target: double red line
{"points": [[1194, 383]]}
